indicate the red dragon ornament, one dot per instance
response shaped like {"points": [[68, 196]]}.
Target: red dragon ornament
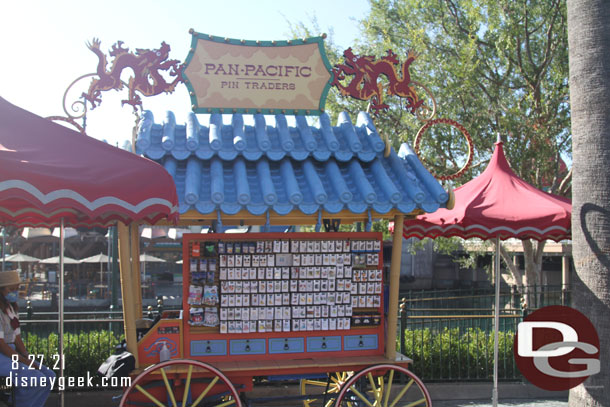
{"points": [[146, 65], [365, 82]]}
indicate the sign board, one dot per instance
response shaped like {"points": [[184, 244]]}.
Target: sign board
{"points": [[226, 75]]}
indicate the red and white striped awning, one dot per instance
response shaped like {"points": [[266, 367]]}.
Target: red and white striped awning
{"points": [[49, 172], [497, 204]]}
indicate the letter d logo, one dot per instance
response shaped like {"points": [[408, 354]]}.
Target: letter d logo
{"points": [[525, 330], [556, 348]]}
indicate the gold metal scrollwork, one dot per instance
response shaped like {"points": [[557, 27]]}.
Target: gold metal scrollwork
{"points": [[464, 132], [424, 112]]}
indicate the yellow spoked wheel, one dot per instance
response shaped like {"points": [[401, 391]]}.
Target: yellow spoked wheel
{"points": [[181, 383], [381, 386], [324, 391]]}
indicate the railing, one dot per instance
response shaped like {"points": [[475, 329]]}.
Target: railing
{"points": [[535, 297], [87, 343], [86, 289], [94, 333], [449, 333]]}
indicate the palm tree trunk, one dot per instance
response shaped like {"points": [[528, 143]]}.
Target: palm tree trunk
{"points": [[589, 48]]}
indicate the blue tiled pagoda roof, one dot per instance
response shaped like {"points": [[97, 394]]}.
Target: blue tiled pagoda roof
{"points": [[260, 167]]}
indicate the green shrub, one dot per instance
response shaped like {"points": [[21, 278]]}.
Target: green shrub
{"points": [[83, 352], [459, 354], [445, 354]]}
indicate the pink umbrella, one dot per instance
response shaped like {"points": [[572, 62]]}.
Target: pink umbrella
{"points": [[49, 172], [497, 205], [51, 175]]}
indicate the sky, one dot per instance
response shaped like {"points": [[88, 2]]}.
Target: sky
{"points": [[43, 45]]}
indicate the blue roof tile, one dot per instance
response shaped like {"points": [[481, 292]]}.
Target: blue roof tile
{"points": [[323, 141], [259, 167]]}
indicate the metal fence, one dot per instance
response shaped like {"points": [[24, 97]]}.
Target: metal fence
{"points": [[449, 333], [89, 337]]}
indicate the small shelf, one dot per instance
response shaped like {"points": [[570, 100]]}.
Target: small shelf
{"points": [[204, 329]]}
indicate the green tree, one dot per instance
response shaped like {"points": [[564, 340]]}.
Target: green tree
{"points": [[498, 67], [495, 66], [589, 34]]}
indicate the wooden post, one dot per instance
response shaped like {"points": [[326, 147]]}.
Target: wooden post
{"points": [[134, 231], [392, 319], [127, 283]]}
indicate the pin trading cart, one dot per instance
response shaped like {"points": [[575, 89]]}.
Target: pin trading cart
{"points": [[269, 296]]}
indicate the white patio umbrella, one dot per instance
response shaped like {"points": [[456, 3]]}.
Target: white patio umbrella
{"points": [[55, 260], [98, 258], [145, 257], [148, 258], [18, 257]]}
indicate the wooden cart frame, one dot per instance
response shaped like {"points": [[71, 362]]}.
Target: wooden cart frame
{"points": [[219, 382]]}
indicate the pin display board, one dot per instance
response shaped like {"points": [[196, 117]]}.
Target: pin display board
{"points": [[289, 284]]}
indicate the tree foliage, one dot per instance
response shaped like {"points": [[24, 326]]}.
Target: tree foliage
{"points": [[497, 67]]}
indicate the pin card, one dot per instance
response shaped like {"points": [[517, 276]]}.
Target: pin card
{"points": [[318, 259]]}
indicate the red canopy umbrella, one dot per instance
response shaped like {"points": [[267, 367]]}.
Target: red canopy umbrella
{"points": [[49, 172], [51, 175], [497, 205]]}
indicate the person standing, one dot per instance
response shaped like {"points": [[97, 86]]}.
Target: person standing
{"points": [[32, 380]]}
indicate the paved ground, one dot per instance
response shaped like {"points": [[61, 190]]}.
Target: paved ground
{"points": [[439, 393], [504, 403], [95, 399]]}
